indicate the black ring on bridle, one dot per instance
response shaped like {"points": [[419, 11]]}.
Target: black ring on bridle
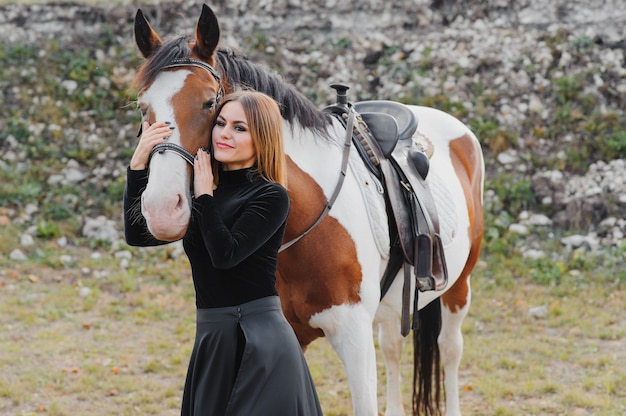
{"points": [[173, 147]]}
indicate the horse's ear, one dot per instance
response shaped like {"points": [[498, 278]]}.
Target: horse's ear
{"points": [[207, 33], [146, 38]]}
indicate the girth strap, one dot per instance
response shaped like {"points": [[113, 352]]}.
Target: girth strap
{"points": [[406, 298]]}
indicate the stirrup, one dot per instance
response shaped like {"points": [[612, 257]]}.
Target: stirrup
{"points": [[429, 276]]}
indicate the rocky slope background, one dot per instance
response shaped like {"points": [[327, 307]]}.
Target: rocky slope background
{"points": [[542, 84]]}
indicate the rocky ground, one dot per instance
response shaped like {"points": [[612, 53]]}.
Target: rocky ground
{"points": [[504, 67]]}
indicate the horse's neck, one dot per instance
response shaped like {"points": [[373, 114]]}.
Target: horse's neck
{"points": [[316, 154]]}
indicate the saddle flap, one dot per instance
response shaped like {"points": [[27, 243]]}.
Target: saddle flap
{"points": [[416, 216], [384, 128], [397, 201]]}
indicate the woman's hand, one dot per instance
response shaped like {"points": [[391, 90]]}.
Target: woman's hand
{"points": [[202, 174], [151, 136]]}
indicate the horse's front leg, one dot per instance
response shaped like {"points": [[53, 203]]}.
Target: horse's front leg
{"points": [[348, 328], [454, 308]]}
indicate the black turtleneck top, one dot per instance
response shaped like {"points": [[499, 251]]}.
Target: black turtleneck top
{"points": [[232, 241]]}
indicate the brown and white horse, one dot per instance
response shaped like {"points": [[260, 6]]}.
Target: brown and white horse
{"points": [[329, 280]]}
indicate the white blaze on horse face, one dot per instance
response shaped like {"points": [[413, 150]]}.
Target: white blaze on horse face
{"points": [[166, 202]]}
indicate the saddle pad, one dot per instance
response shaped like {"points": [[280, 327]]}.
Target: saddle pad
{"points": [[446, 207], [372, 193]]}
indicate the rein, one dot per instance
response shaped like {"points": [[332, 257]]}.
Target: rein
{"points": [[329, 203], [173, 147]]}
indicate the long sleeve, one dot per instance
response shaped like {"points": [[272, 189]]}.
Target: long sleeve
{"points": [[135, 229], [261, 217]]}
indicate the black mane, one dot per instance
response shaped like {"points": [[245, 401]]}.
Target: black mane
{"points": [[241, 73]]}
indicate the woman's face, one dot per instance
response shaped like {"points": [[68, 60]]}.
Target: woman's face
{"points": [[232, 141]]}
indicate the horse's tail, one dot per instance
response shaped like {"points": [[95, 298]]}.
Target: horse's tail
{"points": [[426, 394]]}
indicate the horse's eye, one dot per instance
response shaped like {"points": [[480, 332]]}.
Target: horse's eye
{"points": [[209, 105]]}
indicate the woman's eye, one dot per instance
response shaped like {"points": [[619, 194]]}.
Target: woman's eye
{"points": [[220, 123]]}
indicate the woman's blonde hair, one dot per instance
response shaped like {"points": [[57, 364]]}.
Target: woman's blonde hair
{"points": [[266, 129]]}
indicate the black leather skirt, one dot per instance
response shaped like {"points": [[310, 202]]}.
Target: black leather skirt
{"points": [[246, 361]]}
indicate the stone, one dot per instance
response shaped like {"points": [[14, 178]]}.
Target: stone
{"points": [[539, 312], [18, 255]]}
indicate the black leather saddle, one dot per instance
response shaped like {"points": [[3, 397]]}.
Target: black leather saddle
{"points": [[383, 136]]}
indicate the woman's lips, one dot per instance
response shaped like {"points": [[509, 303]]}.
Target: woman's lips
{"points": [[223, 145]]}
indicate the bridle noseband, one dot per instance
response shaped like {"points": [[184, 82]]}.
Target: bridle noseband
{"points": [[173, 147]]}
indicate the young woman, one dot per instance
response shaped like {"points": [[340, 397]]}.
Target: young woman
{"points": [[246, 360]]}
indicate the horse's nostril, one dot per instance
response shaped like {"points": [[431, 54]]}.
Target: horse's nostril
{"points": [[180, 204]]}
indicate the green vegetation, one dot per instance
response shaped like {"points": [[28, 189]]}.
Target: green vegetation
{"points": [[61, 104]]}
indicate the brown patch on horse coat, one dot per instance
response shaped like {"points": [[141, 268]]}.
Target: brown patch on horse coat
{"points": [[456, 297], [321, 269], [464, 153], [192, 119]]}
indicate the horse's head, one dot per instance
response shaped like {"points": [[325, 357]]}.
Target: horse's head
{"points": [[176, 83]]}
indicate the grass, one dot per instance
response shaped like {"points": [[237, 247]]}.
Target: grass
{"points": [[122, 348], [540, 364]]}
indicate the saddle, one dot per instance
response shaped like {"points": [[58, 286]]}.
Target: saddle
{"points": [[383, 136]]}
